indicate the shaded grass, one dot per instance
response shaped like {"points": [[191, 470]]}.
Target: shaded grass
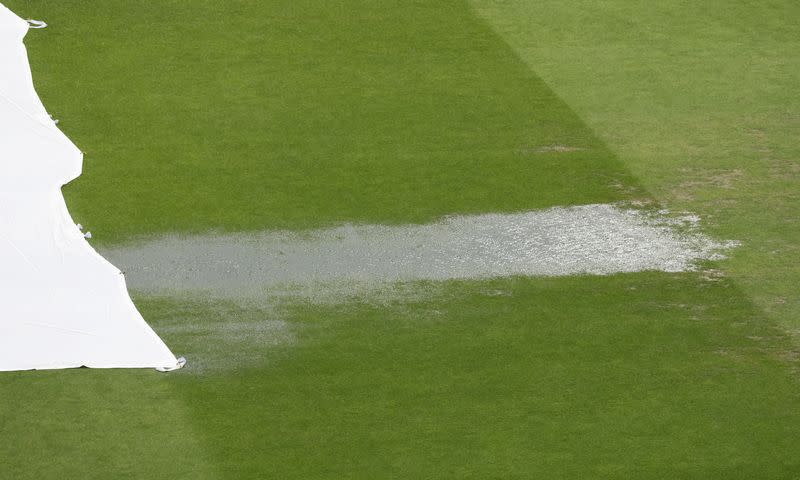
{"points": [[644, 375], [639, 375], [244, 116]]}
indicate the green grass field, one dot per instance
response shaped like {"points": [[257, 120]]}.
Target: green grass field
{"points": [[202, 116]]}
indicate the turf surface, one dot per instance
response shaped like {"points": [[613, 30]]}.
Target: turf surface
{"points": [[699, 101], [243, 116], [204, 116]]}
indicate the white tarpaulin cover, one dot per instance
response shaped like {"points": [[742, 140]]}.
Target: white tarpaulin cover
{"points": [[61, 304]]}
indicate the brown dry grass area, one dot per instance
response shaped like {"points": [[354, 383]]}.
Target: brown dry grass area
{"points": [[706, 180]]}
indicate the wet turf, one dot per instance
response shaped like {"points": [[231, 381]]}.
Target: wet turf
{"points": [[241, 115]]}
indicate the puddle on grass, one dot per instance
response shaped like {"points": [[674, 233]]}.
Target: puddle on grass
{"points": [[590, 239], [220, 336], [226, 345], [256, 274]]}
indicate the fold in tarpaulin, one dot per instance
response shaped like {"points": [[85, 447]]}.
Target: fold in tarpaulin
{"points": [[61, 304]]}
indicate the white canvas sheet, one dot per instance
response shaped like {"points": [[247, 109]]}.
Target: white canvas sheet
{"points": [[61, 304]]}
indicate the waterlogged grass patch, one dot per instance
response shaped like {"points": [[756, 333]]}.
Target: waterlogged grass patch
{"points": [[589, 239]]}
